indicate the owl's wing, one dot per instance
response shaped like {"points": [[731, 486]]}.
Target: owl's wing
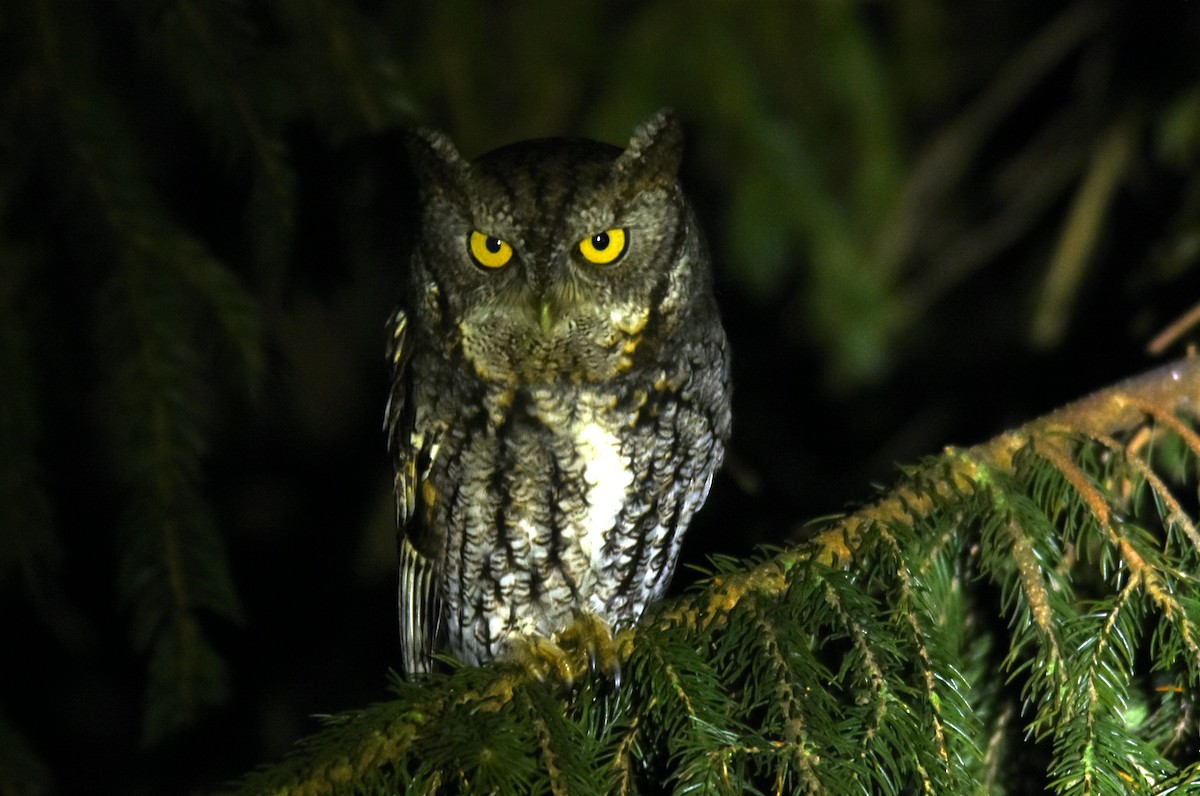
{"points": [[419, 603]]}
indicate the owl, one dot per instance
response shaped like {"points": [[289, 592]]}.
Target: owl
{"points": [[560, 397]]}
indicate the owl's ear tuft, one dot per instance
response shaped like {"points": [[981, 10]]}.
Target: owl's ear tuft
{"points": [[654, 151], [436, 162]]}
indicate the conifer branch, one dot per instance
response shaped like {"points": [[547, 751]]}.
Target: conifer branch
{"points": [[152, 315], [795, 673]]}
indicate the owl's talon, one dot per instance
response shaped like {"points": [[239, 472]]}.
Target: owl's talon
{"points": [[586, 644], [622, 646], [589, 635], [543, 659]]}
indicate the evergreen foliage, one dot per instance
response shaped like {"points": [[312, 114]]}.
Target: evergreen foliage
{"points": [[160, 294], [200, 225], [1060, 556]]}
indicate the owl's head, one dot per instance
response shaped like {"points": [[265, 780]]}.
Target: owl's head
{"points": [[557, 258]]}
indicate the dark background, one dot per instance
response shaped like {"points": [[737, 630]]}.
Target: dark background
{"points": [[930, 220]]}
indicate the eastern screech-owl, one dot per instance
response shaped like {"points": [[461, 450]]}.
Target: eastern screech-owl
{"points": [[560, 396]]}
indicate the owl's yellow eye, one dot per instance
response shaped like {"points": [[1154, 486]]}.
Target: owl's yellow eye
{"points": [[488, 250], [604, 247]]}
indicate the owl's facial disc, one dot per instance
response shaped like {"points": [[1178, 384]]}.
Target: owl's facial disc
{"points": [[541, 331]]}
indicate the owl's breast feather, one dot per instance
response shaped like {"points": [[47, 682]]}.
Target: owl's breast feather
{"points": [[609, 478]]}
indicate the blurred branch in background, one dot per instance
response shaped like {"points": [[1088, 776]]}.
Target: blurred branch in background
{"points": [[1081, 235], [203, 214], [1029, 182]]}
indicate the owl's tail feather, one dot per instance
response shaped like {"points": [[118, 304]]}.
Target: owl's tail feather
{"points": [[418, 610]]}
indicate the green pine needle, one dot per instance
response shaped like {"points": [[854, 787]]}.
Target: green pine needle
{"points": [[870, 660]]}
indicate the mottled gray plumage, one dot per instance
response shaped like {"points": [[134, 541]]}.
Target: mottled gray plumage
{"points": [[556, 419]]}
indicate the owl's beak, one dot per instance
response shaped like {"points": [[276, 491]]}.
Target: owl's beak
{"points": [[549, 305]]}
